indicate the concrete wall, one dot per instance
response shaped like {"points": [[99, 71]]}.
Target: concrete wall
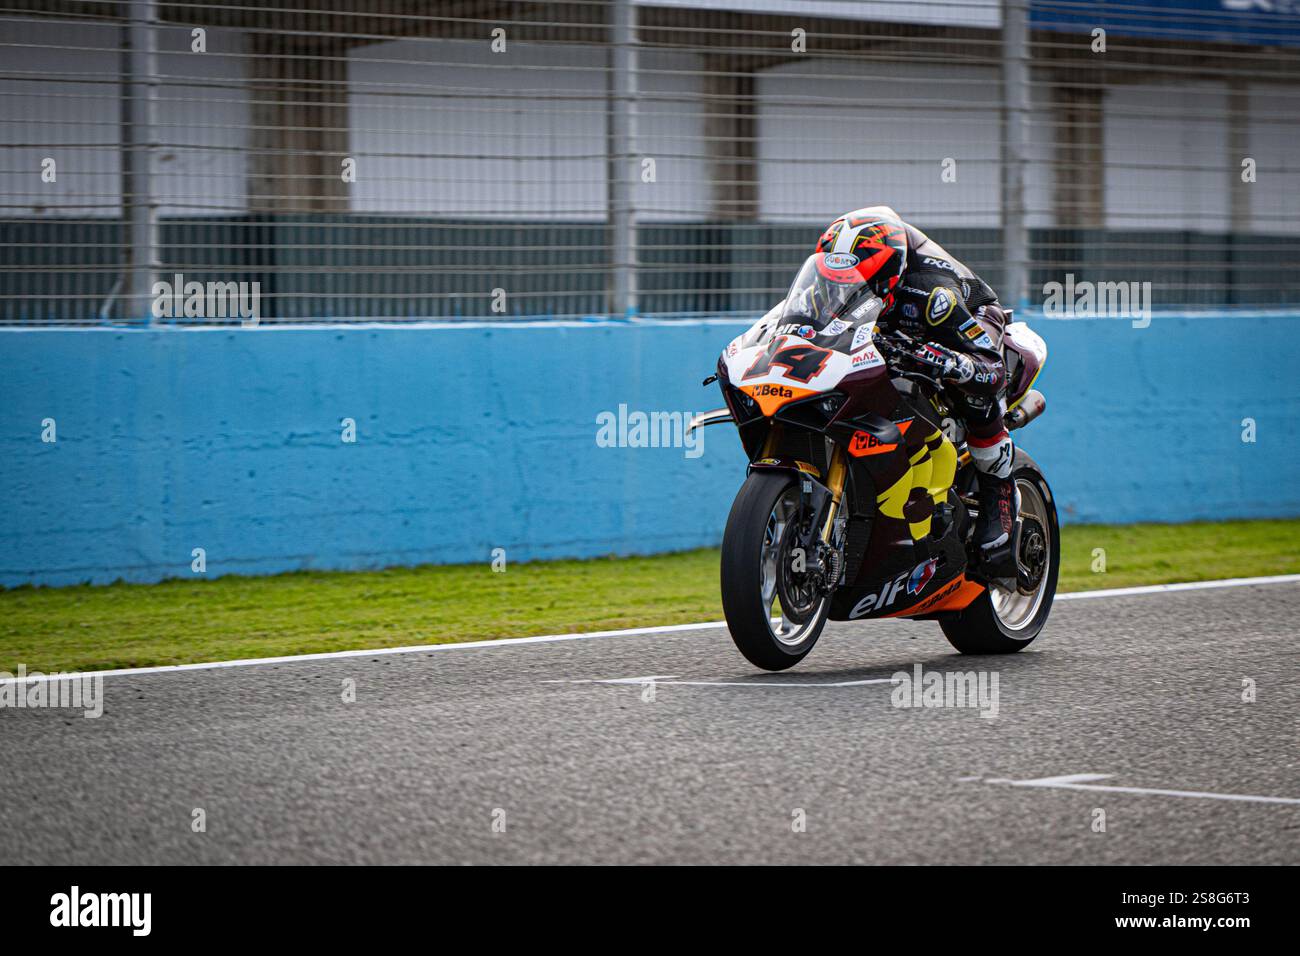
{"points": [[471, 437]]}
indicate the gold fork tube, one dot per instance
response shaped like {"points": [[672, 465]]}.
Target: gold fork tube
{"points": [[835, 482]]}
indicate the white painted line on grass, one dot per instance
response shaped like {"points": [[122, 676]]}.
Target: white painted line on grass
{"points": [[588, 635], [1084, 781]]}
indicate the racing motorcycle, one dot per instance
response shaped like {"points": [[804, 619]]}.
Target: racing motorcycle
{"points": [[860, 498]]}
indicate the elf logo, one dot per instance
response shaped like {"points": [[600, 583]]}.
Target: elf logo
{"points": [[913, 582], [75, 909]]}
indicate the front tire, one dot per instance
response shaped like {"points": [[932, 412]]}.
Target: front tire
{"points": [[756, 563], [1001, 621]]}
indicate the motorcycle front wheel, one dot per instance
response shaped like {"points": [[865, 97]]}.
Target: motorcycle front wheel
{"points": [[774, 612]]}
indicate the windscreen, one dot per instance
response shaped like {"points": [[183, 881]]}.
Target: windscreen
{"points": [[826, 288]]}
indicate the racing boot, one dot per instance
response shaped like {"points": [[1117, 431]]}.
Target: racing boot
{"points": [[999, 504]]}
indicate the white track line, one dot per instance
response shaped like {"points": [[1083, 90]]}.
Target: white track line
{"points": [[589, 635], [1084, 781], [672, 681], [1189, 586]]}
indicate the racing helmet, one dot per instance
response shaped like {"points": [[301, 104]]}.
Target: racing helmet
{"points": [[874, 241]]}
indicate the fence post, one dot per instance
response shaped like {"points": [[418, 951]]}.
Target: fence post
{"points": [[1015, 138], [139, 74], [621, 152]]}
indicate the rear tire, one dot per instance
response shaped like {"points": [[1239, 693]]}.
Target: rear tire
{"points": [[1004, 622], [753, 552]]}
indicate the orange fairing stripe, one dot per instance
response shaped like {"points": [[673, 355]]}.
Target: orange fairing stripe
{"points": [[947, 598], [772, 397]]}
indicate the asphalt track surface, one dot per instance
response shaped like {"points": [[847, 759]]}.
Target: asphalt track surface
{"points": [[438, 745]]}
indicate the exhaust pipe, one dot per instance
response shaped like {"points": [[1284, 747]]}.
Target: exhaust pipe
{"points": [[1030, 407]]}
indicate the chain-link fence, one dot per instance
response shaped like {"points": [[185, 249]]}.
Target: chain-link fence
{"points": [[396, 160]]}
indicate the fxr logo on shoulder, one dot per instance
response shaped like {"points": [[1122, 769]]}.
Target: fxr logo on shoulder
{"points": [[76, 909]]}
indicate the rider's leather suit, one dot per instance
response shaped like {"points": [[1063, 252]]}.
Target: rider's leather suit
{"points": [[940, 300]]}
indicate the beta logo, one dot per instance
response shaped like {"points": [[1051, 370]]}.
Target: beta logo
{"points": [[865, 443], [780, 391]]}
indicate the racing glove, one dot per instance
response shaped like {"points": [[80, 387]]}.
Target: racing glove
{"points": [[948, 365]]}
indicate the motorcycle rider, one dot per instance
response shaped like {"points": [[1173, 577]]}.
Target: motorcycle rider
{"points": [[930, 295]]}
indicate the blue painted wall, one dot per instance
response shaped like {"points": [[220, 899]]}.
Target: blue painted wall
{"points": [[472, 437]]}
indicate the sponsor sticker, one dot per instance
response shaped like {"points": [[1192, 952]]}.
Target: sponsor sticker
{"points": [[911, 582], [862, 337], [840, 260], [838, 327], [865, 443], [868, 358], [942, 302]]}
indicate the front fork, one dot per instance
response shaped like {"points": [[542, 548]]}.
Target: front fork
{"points": [[823, 548]]}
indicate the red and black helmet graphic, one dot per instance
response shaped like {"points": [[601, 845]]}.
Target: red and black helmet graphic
{"points": [[878, 239]]}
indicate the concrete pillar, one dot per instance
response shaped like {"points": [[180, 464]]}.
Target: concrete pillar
{"points": [[730, 128], [140, 211], [1079, 185], [622, 160], [1015, 149], [300, 120]]}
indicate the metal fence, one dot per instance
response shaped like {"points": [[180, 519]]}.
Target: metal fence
{"points": [[393, 160]]}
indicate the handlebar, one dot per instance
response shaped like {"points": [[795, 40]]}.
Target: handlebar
{"points": [[896, 347]]}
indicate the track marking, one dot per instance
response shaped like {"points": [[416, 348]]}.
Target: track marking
{"points": [[588, 635], [1085, 781], [722, 683], [1186, 586]]}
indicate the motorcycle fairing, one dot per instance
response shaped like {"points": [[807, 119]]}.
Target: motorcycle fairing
{"points": [[905, 581], [1025, 353]]}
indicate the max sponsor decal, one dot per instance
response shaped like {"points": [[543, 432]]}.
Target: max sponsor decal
{"points": [[867, 359], [910, 582]]}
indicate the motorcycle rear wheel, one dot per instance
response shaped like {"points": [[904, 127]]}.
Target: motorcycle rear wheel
{"points": [[756, 561], [1000, 621]]}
